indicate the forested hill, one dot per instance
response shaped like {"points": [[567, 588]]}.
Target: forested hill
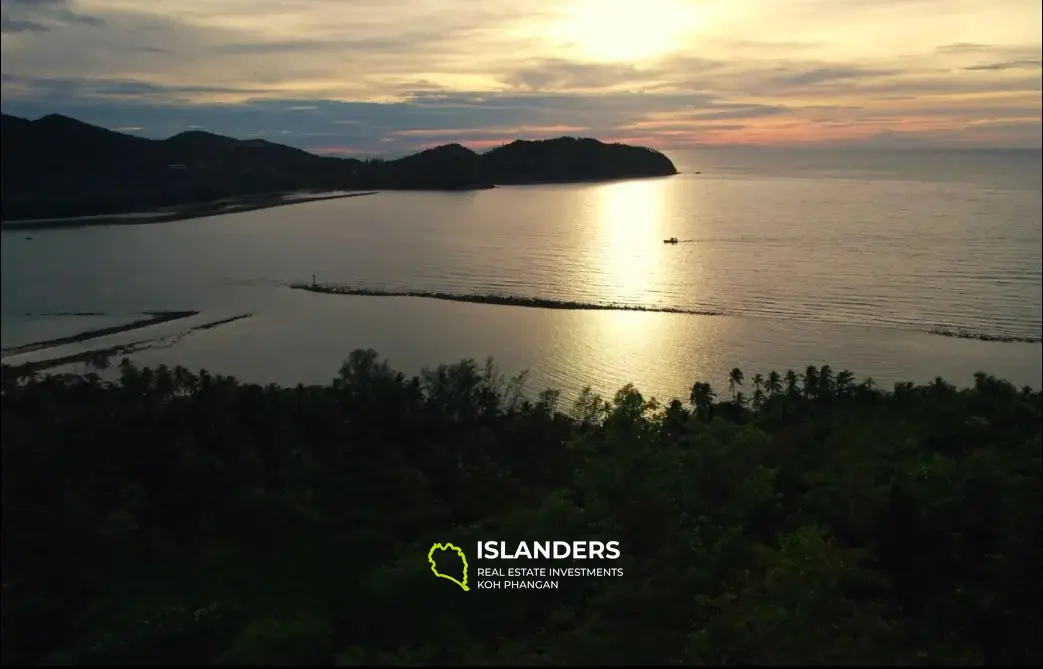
{"points": [[58, 166]]}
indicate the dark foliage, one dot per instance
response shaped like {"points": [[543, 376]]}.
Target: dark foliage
{"points": [[160, 516]]}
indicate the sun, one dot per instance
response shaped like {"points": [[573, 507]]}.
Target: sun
{"points": [[625, 30]]}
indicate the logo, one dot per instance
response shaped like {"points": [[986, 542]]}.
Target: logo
{"points": [[434, 567], [444, 563]]}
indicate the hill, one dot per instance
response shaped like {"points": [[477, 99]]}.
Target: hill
{"points": [[57, 166]]}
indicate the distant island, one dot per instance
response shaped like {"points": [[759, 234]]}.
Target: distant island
{"points": [[59, 167]]}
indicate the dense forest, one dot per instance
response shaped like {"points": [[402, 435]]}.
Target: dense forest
{"points": [[57, 166], [163, 516]]}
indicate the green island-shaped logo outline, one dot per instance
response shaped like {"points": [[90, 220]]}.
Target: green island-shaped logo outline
{"points": [[434, 567]]}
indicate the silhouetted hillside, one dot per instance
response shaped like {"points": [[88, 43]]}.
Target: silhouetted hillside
{"points": [[449, 167], [58, 166], [570, 159]]}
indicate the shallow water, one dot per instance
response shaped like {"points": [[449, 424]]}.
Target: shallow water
{"points": [[303, 337]]}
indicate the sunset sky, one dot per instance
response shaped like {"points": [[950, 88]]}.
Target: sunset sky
{"points": [[389, 76]]}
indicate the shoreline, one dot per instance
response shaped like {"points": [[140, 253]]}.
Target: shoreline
{"points": [[34, 366], [547, 303], [247, 204], [154, 318]]}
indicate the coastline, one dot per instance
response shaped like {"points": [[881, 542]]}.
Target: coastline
{"points": [[90, 356], [246, 204], [249, 203]]}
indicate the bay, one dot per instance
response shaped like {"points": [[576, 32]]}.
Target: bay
{"points": [[847, 258]]}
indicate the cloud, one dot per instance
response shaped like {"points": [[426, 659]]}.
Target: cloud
{"points": [[788, 77], [388, 76], [560, 74], [368, 127], [547, 131], [964, 47], [1025, 64], [709, 114], [10, 24], [37, 16], [56, 89]]}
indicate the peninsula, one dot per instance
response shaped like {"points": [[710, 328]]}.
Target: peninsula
{"points": [[59, 167]]}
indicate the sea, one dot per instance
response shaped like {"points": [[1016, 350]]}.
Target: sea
{"points": [[899, 265]]}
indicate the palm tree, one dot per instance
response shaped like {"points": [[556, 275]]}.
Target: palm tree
{"points": [[735, 379], [824, 385], [758, 392], [792, 382], [845, 379], [810, 381], [701, 398], [758, 398], [774, 383], [740, 398]]}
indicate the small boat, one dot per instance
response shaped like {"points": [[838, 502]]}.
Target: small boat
{"points": [[672, 240]]}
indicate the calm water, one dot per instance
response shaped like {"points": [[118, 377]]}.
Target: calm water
{"points": [[849, 259]]}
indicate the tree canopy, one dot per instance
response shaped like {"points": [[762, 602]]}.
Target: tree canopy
{"points": [[165, 516]]}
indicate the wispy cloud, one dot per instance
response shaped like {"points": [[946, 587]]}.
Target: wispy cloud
{"points": [[37, 16], [1024, 64]]}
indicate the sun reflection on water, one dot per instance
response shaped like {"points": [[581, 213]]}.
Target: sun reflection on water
{"points": [[630, 222], [630, 265]]}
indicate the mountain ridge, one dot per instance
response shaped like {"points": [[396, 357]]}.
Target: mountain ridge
{"points": [[59, 166]]}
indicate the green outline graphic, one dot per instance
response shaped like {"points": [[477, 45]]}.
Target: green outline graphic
{"points": [[434, 569]]}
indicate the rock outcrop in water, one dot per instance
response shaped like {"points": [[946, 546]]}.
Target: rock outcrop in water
{"points": [[57, 166]]}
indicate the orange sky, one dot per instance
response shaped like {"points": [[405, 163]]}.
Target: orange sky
{"points": [[397, 74]]}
